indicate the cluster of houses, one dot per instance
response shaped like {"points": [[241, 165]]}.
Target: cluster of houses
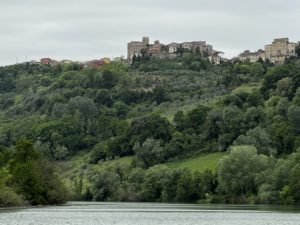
{"points": [[94, 64], [277, 52], [172, 50]]}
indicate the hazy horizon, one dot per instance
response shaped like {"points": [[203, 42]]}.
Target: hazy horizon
{"points": [[93, 29]]}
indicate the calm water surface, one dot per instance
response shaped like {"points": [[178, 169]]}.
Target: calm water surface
{"points": [[76, 213]]}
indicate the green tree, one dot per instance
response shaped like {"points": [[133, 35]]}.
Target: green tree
{"points": [[103, 97], [237, 172], [26, 175], [296, 99], [290, 181], [149, 153], [272, 77], [153, 126], [205, 184], [109, 79], [196, 117], [231, 127], [159, 95], [282, 136], [180, 120], [178, 146], [105, 185], [294, 117], [9, 198], [185, 191], [60, 152], [285, 87], [33, 177], [121, 109], [258, 138], [59, 110], [291, 192], [152, 187], [282, 107], [83, 109], [169, 184]]}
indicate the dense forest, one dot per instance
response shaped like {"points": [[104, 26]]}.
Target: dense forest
{"points": [[65, 131]]}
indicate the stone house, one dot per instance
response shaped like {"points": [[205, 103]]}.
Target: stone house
{"points": [[252, 56], [280, 50], [46, 61], [277, 52]]}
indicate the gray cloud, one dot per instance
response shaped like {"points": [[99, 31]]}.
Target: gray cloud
{"points": [[88, 29]]}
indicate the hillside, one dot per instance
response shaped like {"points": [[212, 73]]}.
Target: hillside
{"points": [[161, 130]]}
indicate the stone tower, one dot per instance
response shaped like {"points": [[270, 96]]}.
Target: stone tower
{"points": [[146, 40], [135, 47]]}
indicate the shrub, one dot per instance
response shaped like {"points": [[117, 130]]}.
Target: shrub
{"points": [[8, 198]]}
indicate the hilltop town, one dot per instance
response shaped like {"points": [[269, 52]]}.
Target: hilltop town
{"points": [[171, 51], [280, 50], [277, 52]]}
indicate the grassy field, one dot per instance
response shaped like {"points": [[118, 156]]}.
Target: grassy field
{"points": [[78, 166], [124, 161], [246, 88], [199, 163]]}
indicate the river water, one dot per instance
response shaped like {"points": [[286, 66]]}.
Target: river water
{"points": [[91, 213]]}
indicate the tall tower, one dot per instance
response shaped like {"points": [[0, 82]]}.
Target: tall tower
{"points": [[146, 40], [135, 47]]}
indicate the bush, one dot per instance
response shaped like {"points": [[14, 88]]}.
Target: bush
{"points": [[8, 198]]}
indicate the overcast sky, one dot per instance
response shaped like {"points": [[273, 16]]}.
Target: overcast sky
{"points": [[91, 29]]}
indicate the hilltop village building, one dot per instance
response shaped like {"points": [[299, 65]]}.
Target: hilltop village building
{"points": [[170, 51], [252, 56], [95, 64], [48, 61], [135, 47], [52, 62], [277, 52]]}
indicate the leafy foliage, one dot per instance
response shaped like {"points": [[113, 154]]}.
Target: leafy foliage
{"points": [[157, 111], [31, 177]]}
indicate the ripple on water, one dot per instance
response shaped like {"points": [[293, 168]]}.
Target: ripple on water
{"points": [[77, 213]]}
